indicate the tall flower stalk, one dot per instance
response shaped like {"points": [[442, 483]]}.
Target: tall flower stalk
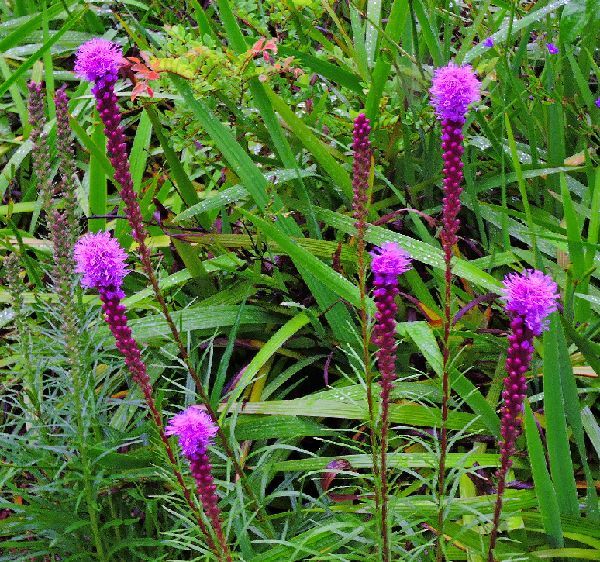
{"points": [[40, 153], [66, 158], [99, 61], [361, 171], [63, 231], [195, 431], [101, 262], [530, 298], [389, 262], [454, 89]]}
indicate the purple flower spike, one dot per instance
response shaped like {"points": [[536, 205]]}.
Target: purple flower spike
{"points": [[361, 170], [195, 430], [489, 42], [597, 102], [454, 89], [552, 48], [531, 295], [99, 61], [389, 262], [530, 298], [98, 58], [101, 260]]}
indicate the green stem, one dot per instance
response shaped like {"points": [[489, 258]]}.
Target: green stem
{"points": [[90, 498]]}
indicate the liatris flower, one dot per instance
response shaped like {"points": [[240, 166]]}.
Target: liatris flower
{"points": [[389, 262], [530, 298], [552, 48], [99, 61], [101, 261], [195, 430], [40, 152], [489, 42], [64, 265], [597, 102], [66, 156], [361, 169], [454, 89]]}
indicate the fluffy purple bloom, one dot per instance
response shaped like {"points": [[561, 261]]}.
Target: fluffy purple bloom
{"points": [[597, 102], [454, 89], [552, 48], [533, 296], [389, 261], [489, 42], [101, 260], [97, 58], [195, 430]]}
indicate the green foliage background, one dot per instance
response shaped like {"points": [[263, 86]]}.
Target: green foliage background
{"points": [[247, 166]]}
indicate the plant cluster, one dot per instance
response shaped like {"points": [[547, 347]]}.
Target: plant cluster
{"points": [[299, 280]]}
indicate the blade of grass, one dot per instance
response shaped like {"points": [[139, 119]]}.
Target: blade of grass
{"points": [[264, 354], [139, 150], [572, 409], [97, 195], [559, 452], [338, 174], [307, 261], [73, 18], [544, 488]]}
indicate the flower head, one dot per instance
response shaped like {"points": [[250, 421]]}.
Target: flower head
{"points": [[101, 260], [195, 430], [552, 48], [489, 42], [597, 102], [97, 58], [454, 89], [390, 261], [532, 295]]}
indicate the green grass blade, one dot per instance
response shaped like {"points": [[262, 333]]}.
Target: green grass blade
{"points": [[308, 262], [559, 452], [264, 354], [97, 194], [239, 161], [139, 150], [544, 489], [183, 182], [71, 21], [430, 33], [321, 153], [572, 408], [422, 336]]}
